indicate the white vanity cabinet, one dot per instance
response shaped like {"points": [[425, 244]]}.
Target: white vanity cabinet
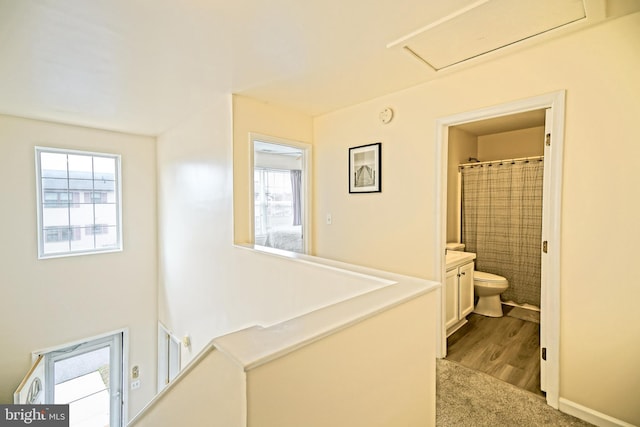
{"points": [[458, 295]]}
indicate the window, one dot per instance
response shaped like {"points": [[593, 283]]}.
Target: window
{"points": [[79, 203]]}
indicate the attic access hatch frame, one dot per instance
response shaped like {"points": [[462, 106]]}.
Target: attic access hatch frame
{"points": [[487, 26]]}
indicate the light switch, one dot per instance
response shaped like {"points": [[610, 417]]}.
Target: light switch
{"points": [[329, 219]]}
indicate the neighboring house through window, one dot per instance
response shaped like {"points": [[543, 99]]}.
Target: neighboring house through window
{"points": [[79, 202]]}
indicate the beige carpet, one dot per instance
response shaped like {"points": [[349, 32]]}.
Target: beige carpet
{"points": [[465, 397]]}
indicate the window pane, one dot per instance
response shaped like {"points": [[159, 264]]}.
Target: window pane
{"points": [[104, 185], [80, 166], [55, 217], [274, 219], [82, 215], [108, 238], [54, 184], [82, 240], [83, 382], [81, 184], [56, 239], [53, 165], [106, 214], [104, 168]]}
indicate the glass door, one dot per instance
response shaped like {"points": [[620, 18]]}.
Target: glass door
{"points": [[88, 377]]}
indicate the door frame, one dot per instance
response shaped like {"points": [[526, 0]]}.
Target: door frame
{"points": [[168, 366], [306, 184], [551, 222]]}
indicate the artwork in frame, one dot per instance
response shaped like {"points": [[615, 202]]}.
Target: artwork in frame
{"points": [[365, 168]]}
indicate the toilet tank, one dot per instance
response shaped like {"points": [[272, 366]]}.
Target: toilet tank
{"points": [[453, 246]]}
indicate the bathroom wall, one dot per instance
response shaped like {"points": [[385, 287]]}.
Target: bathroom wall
{"points": [[511, 145], [462, 146]]}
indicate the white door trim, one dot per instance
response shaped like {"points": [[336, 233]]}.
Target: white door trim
{"points": [[551, 227], [169, 353], [306, 184]]}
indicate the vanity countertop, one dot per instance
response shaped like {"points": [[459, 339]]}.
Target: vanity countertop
{"points": [[455, 259]]}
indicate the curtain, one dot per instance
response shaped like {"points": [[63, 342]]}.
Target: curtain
{"points": [[296, 184], [502, 224]]}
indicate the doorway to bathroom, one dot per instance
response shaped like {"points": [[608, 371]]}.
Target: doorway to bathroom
{"points": [[542, 117]]}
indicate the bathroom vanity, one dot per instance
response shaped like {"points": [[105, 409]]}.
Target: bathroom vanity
{"points": [[458, 294]]}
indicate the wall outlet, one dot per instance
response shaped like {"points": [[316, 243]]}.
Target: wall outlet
{"points": [[135, 384]]}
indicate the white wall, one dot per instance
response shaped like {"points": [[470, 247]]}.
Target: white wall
{"points": [[47, 303], [211, 393], [378, 372], [327, 367], [207, 286], [393, 230]]}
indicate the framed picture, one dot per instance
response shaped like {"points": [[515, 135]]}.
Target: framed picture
{"points": [[365, 167]]}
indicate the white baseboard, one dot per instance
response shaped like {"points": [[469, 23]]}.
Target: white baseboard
{"points": [[590, 415]]}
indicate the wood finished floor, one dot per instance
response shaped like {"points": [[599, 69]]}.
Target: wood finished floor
{"points": [[504, 347]]}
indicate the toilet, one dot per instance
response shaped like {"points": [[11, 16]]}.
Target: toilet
{"points": [[487, 287]]}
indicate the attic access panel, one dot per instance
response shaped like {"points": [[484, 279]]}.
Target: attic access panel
{"points": [[485, 26]]}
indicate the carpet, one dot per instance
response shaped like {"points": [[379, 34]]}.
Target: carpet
{"points": [[465, 397], [524, 314]]}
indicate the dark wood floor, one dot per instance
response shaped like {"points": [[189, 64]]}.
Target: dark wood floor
{"points": [[504, 347]]}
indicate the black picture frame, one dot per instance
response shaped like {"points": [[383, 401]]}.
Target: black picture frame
{"points": [[365, 168]]}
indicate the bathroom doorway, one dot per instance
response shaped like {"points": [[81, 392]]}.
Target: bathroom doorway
{"points": [[549, 110]]}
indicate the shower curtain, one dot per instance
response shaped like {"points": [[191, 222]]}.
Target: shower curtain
{"points": [[502, 223]]}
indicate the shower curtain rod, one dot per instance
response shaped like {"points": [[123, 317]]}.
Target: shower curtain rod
{"points": [[489, 162]]}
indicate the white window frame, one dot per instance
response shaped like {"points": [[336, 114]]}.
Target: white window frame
{"points": [[40, 203]]}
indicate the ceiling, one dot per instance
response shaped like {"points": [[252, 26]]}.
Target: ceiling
{"points": [[525, 120], [144, 65]]}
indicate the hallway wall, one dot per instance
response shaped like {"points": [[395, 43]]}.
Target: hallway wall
{"points": [[253, 116], [50, 302], [394, 230]]}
